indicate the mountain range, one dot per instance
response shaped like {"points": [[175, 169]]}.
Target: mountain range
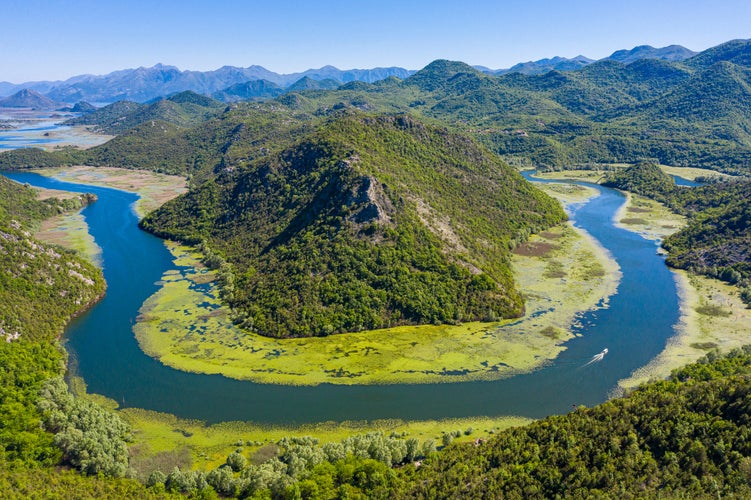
{"points": [[143, 84]]}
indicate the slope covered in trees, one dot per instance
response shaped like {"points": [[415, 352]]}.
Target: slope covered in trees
{"points": [[686, 437], [686, 113], [368, 221], [182, 110]]}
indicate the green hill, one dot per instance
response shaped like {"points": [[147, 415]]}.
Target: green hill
{"points": [[734, 51], [154, 145], [41, 287], [108, 119], [254, 89], [307, 83], [645, 178], [182, 110], [369, 221]]}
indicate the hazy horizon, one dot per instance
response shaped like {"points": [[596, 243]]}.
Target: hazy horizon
{"points": [[48, 41]]}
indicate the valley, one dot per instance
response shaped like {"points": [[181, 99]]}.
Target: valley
{"points": [[376, 266]]}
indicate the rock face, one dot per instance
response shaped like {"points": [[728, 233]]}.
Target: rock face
{"points": [[374, 206]]}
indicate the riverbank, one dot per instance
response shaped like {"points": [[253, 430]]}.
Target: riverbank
{"points": [[191, 444], [71, 231], [154, 189], [712, 314], [712, 317], [562, 272]]}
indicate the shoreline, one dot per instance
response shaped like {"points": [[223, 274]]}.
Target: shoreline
{"points": [[153, 189], [712, 316], [71, 231], [711, 313]]}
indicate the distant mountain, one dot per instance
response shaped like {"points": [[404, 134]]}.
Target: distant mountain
{"points": [[27, 98], [144, 84], [669, 53], [350, 75], [308, 83], [254, 89], [545, 65]]}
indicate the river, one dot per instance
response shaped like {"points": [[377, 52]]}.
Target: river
{"points": [[634, 328]]}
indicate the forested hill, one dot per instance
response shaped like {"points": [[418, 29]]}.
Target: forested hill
{"points": [[183, 109], [366, 221], [41, 286], [692, 112]]}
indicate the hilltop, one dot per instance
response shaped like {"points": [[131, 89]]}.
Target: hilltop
{"points": [[366, 221], [182, 109]]}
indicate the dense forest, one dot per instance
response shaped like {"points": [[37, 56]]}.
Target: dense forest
{"points": [[382, 204], [368, 221], [717, 240], [686, 437]]}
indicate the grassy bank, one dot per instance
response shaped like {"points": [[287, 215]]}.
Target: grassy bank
{"points": [[166, 440], [70, 231], [650, 219], [712, 316], [153, 189]]}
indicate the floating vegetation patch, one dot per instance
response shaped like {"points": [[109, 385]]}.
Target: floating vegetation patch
{"points": [[535, 249], [633, 221], [704, 346]]}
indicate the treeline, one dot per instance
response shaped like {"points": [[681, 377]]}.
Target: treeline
{"points": [[717, 240], [686, 437], [360, 466]]}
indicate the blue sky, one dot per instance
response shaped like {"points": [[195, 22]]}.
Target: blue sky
{"points": [[56, 39]]}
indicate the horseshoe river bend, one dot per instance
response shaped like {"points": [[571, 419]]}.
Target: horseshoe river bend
{"points": [[635, 327]]}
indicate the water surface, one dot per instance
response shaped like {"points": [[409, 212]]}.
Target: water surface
{"points": [[634, 328]]}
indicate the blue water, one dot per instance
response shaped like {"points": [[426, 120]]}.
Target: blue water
{"points": [[14, 138], [680, 181], [634, 328]]}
